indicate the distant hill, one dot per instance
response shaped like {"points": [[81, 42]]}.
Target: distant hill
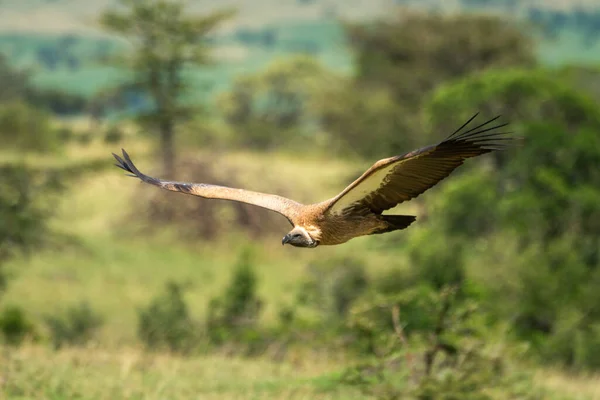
{"points": [[61, 42], [77, 16]]}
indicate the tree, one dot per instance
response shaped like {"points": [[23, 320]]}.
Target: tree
{"points": [[26, 128], [27, 201], [276, 105], [15, 84], [400, 60], [535, 208], [413, 53], [165, 41]]}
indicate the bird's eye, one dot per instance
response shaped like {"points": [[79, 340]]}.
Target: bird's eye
{"points": [[297, 235]]}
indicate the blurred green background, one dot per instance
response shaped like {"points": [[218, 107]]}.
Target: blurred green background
{"points": [[112, 289]]}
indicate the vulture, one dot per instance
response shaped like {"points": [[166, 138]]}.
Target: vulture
{"points": [[358, 210]]}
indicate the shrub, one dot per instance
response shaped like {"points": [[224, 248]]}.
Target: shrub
{"points": [[165, 323], [26, 128], [452, 358], [85, 138], [27, 201], [537, 227], [75, 326], [233, 316], [277, 107], [113, 135], [65, 134], [399, 61], [14, 325], [332, 286]]}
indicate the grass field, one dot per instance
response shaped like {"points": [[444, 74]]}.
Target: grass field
{"points": [[37, 373], [118, 269]]}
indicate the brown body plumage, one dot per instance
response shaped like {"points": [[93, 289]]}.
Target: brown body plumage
{"points": [[358, 209]]}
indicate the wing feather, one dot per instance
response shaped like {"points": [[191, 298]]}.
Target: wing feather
{"points": [[282, 205], [394, 180]]}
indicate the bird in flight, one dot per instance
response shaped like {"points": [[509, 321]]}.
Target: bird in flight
{"points": [[358, 209]]}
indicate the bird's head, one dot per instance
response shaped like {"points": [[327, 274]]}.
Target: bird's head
{"points": [[299, 237]]}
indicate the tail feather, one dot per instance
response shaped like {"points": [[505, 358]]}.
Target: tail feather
{"points": [[396, 222]]}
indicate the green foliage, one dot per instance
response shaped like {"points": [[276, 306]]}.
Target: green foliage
{"points": [[113, 135], [369, 319], [365, 121], [14, 325], [278, 105], [449, 358], [27, 201], [57, 101], [165, 323], [75, 326], [17, 88], [544, 195], [400, 61], [166, 40], [236, 312], [85, 138], [414, 52], [65, 134], [332, 286], [437, 263], [23, 127], [15, 83], [586, 78], [233, 316]]}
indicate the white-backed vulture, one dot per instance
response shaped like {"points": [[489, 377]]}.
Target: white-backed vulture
{"points": [[358, 209]]}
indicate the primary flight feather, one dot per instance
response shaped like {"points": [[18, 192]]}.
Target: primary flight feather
{"points": [[358, 209]]}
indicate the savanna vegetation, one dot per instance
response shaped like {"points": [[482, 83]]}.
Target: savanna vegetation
{"points": [[112, 289]]}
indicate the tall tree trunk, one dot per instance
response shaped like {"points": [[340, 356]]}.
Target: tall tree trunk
{"points": [[167, 148]]}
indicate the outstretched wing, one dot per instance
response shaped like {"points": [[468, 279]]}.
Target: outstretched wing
{"points": [[284, 206], [397, 179]]}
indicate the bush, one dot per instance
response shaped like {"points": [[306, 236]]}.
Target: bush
{"points": [[15, 326], [65, 134], [277, 107], [27, 201], [165, 323], [534, 208], [400, 61], [233, 316], [23, 127], [3, 280], [85, 138], [75, 326], [332, 286], [451, 358], [113, 135]]}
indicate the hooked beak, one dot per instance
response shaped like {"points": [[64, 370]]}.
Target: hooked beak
{"points": [[286, 239]]}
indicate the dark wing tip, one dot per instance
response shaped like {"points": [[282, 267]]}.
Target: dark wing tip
{"points": [[127, 165], [484, 136], [122, 163]]}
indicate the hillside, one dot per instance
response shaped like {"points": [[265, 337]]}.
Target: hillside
{"points": [[60, 41]]}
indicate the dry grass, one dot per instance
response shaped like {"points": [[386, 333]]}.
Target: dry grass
{"points": [[37, 373], [577, 387]]}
